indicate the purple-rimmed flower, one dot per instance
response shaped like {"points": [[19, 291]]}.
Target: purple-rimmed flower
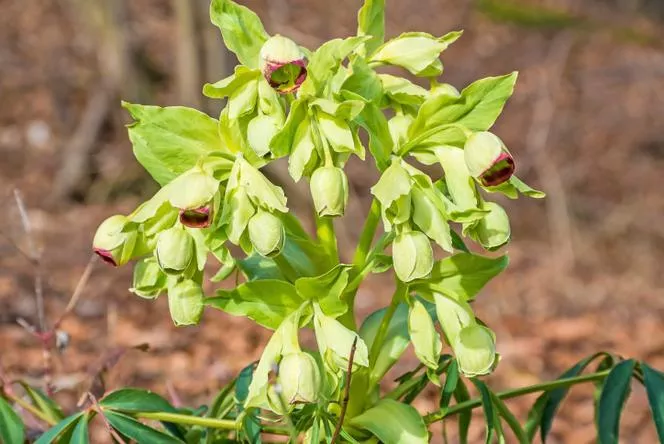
{"points": [[487, 159], [283, 64], [111, 243], [196, 217]]}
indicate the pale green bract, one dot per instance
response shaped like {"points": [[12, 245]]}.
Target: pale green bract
{"points": [[323, 109]]}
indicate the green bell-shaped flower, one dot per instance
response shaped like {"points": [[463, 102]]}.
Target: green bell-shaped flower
{"points": [[475, 350], [299, 378], [113, 245], [192, 193], [185, 302], [487, 159], [493, 230], [329, 190], [149, 280], [412, 255], [175, 250], [267, 233], [283, 64]]}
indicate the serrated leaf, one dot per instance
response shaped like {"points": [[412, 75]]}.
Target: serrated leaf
{"points": [[654, 382], [12, 430], [393, 422], [169, 141], [614, 394], [371, 21], [241, 29], [133, 429], [267, 301], [52, 434]]}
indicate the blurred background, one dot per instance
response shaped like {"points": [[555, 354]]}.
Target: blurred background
{"points": [[586, 125]]}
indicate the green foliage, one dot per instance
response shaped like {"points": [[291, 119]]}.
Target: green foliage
{"points": [[12, 429]]}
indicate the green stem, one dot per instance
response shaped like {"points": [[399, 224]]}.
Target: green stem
{"points": [[398, 296], [34, 411], [327, 238], [212, 423], [514, 393]]}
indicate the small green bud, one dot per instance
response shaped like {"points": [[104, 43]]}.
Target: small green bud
{"points": [[487, 159], [329, 189], [412, 255], [175, 250], [299, 378], [149, 281], [113, 245], [475, 350], [260, 131], [493, 230], [185, 302], [283, 64], [266, 232]]}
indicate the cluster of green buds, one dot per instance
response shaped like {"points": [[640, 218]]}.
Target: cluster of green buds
{"points": [[318, 108]]}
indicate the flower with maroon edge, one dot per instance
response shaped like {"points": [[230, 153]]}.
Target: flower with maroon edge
{"points": [[192, 194], [487, 159], [113, 245], [283, 64]]}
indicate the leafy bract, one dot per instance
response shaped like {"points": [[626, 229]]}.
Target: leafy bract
{"points": [[393, 423]]}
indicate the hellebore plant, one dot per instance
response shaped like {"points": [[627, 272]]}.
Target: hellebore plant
{"points": [[318, 108]]}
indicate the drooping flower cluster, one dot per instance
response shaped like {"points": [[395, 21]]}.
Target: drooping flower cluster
{"points": [[315, 108]]}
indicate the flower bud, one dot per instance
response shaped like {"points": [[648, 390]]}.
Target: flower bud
{"points": [[266, 232], [174, 250], [113, 245], [487, 159], [412, 255], [192, 193], [475, 350], [283, 64], [185, 302], [148, 281], [299, 378], [329, 190]]}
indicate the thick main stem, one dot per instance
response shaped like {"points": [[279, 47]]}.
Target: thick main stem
{"points": [[514, 393]]}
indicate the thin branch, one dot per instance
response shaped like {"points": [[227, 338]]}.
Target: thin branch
{"points": [[344, 403], [80, 286]]}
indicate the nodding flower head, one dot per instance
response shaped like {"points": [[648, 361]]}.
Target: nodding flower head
{"points": [[329, 189], [487, 159], [192, 193], [412, 255], [200, 217], [283, 64], [111, 241]]}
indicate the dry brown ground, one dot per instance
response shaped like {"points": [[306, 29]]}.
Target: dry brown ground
{"points": [[586, 270]]}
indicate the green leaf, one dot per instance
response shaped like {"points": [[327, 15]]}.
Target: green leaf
{"points": [[510, 419], [226, 87], [477, 108], [423, 335], [381, 144], [363, 81], [654, 382], [451, 381], [549, 402], [133, 429], [241, 29], [487, 407], [45, 404], [462, 275], [12, 430], [267, 301], [169, 141], [614, 394], [396, 339], [81, 434], [257, 267], [250, 422], [52, 434], [326, 289], [136, 400], [371, 21], [325, 61], [393, 423], [461, 395], [332, 336]]}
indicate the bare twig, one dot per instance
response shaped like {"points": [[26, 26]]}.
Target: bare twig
{"points": [[78, 291], [550, 81], [344, 403]]}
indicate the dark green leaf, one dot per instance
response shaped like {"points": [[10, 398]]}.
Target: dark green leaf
{"points": [[62, 427], [487, 407], [241, 29], [12, 430], [45, 404], [136, 400], [169, 141], [251, 427], [510, 419], [267, 301], [460, 395], [371, 21], [611, 402], [326, 289], [137, 431], [81, 434], [654, 382], [458, 243], [451, 381]]}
